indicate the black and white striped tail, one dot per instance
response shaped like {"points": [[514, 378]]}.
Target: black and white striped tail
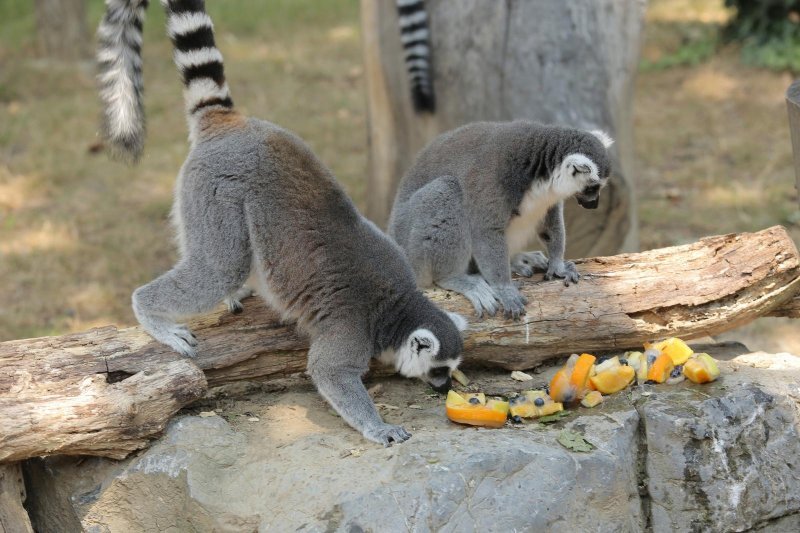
{"points": [[414, 36], [197, 57], [119, 61]]}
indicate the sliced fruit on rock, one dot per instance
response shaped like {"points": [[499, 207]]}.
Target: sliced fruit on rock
{"points": [[676, 376], [608, 364], [561, 390], [678, 350], [542, 403], [613, 380], [701, 368], [581, 370], [661, 368], [522, 406], [472, 397], [459, 376], [634, 359], [459, 409], [592, 399]]}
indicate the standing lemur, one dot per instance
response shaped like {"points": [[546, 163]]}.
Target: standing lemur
{"points": [[252, 196], [475, 194]]}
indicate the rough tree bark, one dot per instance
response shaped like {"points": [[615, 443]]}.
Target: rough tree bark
{"points": [[793, 107], [102, 392], [571, 62], [61, 29], [13, 517]]}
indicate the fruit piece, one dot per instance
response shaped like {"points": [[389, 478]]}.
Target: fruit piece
{"points": [[674, 347], [580, 371], [547, 407], [661, 368], [614, 380], [459, 409], [651, 355], [676, 376], [592, 399], [608, 364], [459, 376], [561, 390], [523, 407], [472, 396], [701, 368]]}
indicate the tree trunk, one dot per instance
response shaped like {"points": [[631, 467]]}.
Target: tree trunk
{"points": [[61, 29], [104, 391], [13, 517], [571, 62]]}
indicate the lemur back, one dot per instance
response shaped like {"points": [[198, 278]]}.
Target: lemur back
{"points": [[252, 196]]}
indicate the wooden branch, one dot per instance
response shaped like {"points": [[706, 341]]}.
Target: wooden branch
{"points": [[102, 392]]}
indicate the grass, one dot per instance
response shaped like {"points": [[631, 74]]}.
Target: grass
{"points": [[78, 233]]}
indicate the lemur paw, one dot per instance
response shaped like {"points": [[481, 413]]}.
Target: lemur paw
{"points": [[565, 270], [387, 434], [483, 299], [512, 300], [234, 305], [176, 336], [526, 263]]}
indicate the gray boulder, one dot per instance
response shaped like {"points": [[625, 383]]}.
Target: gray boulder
{"points": [[718, 457]]}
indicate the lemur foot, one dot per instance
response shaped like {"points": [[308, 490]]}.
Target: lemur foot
{"points": [[526, 263], [176, 336], [234, 306], [234, 301], [387, 434], [476, 290], [512, 300], [565, 270]]}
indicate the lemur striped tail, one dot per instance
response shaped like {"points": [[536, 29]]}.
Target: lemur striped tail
{"points": [[198, 59], [119, 62], [414, 35]]}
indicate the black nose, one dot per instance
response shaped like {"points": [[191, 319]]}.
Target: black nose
{"points": [[443, 387], [589, 204]]}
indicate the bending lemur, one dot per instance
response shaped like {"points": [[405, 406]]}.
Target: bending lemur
{"points": [[475, 194], [252, 196], [414, 36]]}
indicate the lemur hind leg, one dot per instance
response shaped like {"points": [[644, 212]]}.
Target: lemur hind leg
{"points": [[216, 264], [439, 245]]}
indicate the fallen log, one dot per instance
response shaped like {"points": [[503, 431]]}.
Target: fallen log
{"points": [[102, 392]]}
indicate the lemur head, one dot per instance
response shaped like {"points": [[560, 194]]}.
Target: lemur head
{"points": [[585, 169], [433, 350]]}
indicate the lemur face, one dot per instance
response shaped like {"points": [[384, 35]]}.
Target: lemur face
{"points": [[587, 172], [432, 354]]}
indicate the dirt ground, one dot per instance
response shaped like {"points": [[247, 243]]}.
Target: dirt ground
{"points": [[78, 233]]}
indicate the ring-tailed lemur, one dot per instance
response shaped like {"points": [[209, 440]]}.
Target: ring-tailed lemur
{"points": [[476, 193], [413, 19], [252, 196]]}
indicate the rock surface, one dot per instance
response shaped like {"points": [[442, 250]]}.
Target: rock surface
{"points": [[719, 457]]}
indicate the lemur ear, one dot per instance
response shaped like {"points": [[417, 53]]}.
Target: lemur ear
{"points": [[460, 322], [583, 169], [604, 137], [423, 342]]}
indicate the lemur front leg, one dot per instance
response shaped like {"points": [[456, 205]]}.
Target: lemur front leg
{"points": [[554, 236], [336, 362], [490, 251]]}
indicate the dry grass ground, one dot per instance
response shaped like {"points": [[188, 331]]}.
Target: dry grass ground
{"points": [[78, 233]]}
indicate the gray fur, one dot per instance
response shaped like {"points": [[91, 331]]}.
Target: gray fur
{"points": [[477, 191], [253, 201]]}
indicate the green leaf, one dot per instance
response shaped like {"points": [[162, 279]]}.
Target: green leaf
{"points": [[555, 417], [574, 441]]}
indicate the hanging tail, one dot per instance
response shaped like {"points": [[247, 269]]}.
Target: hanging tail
{"points": [[414, 36], [119, 60], [197, 58]]}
